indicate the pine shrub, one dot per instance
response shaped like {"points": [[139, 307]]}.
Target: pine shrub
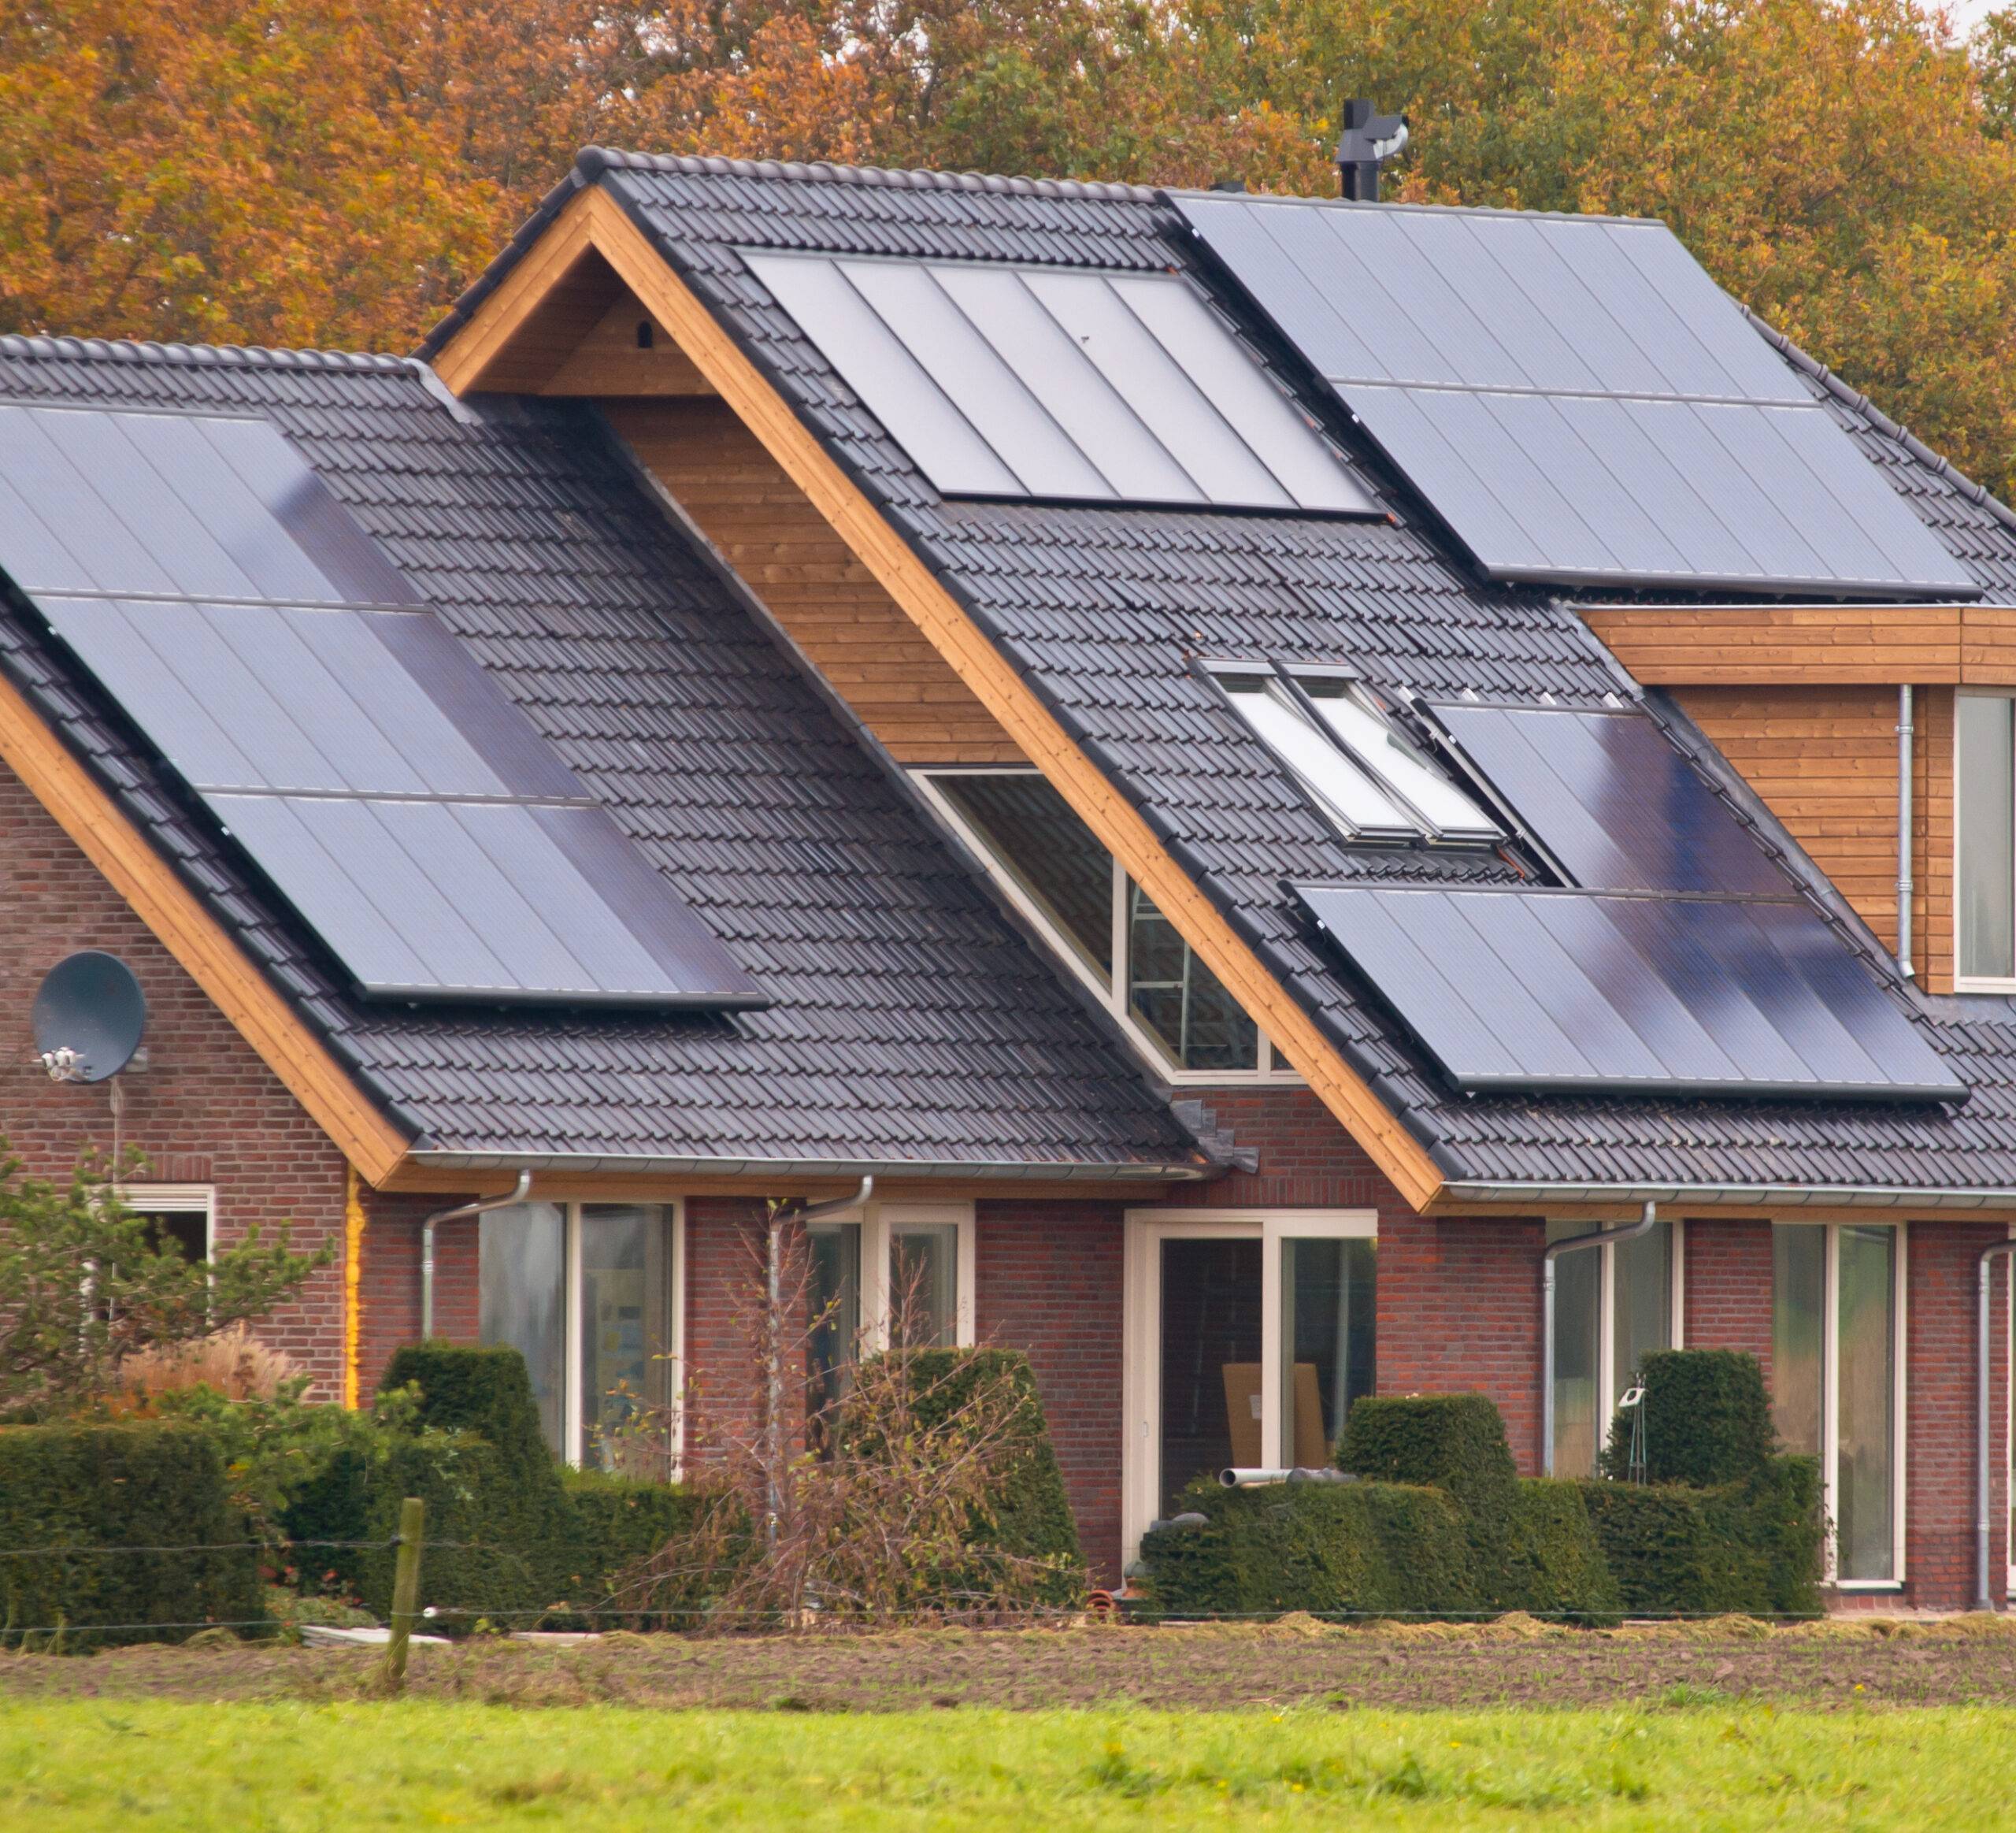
{"points": [[1706, 1419]]}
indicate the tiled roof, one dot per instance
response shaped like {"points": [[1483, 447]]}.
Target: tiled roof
{"points": [[911, 1025], [1102, 610]]}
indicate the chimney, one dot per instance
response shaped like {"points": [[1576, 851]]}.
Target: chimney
{"points": [[1369, 140]]}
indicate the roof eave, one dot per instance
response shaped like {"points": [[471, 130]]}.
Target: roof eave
{"points": [[1017, 1171]]}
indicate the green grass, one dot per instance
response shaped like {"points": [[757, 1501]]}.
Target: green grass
{"points": [[282, 1768]]}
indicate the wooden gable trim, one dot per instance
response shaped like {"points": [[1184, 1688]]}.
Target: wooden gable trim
{"points": [[198, 941], [594, 219], [1810, 645]]}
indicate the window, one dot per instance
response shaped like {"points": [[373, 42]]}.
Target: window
{"points": [[1611, 1305], [1107, 929], [177, 1213], [588, 1294], [1249, 1335], [1836, 1391], [1985, 795], [1365, 776], [902, 1271]]}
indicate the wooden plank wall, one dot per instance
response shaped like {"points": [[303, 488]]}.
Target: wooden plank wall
{"points": [[873, 656], [1825, 760]]}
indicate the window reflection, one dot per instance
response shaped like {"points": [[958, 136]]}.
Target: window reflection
{"points": [[1330, 1324]]}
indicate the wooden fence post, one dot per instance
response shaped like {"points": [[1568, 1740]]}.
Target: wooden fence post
{"points": [[405, 1592]]}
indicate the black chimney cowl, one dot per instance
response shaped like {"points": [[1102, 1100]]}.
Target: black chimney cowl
{"points": [[1368, 141]]}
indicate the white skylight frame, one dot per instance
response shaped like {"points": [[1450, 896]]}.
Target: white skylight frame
{"points": [[1364, 775]]}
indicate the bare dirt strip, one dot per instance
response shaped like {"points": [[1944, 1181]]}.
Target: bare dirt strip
{"points": [[1962, 1661]]}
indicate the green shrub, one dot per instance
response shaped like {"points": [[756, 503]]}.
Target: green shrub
{"points": [[1031, 1517], [1369, 1549], [482, 1389], [619, 1520], [1550, 1562], [1752, 1548], [1454, 1441], [146, 1483], [1706, 1419]]}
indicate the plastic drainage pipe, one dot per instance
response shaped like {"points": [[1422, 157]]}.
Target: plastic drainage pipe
{"points": [[461, 1213], [1246, 1477], [1984, 1443], [1573, 1244]]}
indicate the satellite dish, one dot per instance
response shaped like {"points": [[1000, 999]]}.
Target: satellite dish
{"points": [[89, 1014]]}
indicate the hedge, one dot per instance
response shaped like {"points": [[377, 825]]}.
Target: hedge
{"points": [[1706, 1419], [1454, 1441], [1752, 1548], [1372, 1549], [145, 1483], [1550, 1563]]}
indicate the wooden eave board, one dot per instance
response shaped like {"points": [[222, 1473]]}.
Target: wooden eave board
{"points": [[593, 220], [1810, 645]]}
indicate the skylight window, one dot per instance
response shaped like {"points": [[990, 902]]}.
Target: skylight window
{"points": [[1361, 771]]}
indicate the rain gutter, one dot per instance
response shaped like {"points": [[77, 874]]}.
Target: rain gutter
{"points": [[1462, 1190], [647, 1165]]}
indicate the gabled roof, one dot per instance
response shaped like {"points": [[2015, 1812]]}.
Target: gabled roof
{"points": [[1100, 612], [911, 1025]]}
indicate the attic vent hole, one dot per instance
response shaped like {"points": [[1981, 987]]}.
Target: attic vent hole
{"points": [[644, 334]]}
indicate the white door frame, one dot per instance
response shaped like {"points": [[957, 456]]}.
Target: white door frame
{"points": [[1141, 1397]]}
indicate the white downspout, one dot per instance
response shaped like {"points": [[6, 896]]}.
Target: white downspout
{"points": [[1574, 1244], [1983, 1400], [461, 1213], [1904, 887]]}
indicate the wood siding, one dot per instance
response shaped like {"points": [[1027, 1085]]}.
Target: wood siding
{"points": [[885, 668], [1825, 760], [1802, 645]]}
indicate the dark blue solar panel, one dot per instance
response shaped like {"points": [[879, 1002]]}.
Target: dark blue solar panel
{"points": [[409, 812], [1546, 992], [1576, 399], [1612, 800]]}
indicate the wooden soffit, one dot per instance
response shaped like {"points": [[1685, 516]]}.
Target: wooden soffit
{"points": [[481, 350], [1810, 645], [205, 950]]}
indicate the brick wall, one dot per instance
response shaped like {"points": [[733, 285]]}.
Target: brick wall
{"points": [[205, 1110], [1048, 1281], [1726, 1286]]}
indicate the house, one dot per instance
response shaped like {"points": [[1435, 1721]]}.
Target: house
{"points": [[1261, 767]]}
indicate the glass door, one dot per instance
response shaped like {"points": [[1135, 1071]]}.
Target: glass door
{"points": [[1210, 1372]]}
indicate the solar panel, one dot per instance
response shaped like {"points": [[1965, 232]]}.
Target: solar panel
{"points": [[409, 812], [1576, 399], [1584, 993], [1611, 799], [1013, 382]]}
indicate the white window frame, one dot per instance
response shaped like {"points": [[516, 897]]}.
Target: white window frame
{"points": [[1270, 1067], [1141, 1398], [571, 1386], [1606, 1315], [1965, 982], [176, 1200], [1830, 1437], [879, 1222]]}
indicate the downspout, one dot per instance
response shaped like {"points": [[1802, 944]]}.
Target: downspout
{"points": [[461, 1213], [1574, 1244], [1984, 1306], [1904, 889]]}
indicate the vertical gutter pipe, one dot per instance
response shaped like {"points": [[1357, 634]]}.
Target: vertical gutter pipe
{"points": [[1904, 887], [461, 1213], [1574, 1244], [1984, 1440]]}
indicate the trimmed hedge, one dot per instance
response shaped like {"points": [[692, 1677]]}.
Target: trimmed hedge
{"points": [[1706, 1416], [1455, 1441], [142, 1483], [1551, 1563], [1330, 1548]]}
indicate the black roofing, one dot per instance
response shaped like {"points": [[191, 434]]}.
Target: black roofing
{"points": [[912, 1026], [1103, 609]]}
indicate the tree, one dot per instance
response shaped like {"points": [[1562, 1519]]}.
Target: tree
{"points": [[84, 1284]]}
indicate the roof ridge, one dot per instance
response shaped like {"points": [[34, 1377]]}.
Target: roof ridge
{"points": [[232, 355], [1937, 462], [592, 161]]}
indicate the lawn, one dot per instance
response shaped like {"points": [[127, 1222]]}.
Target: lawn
{"points": [[281, 1767]]}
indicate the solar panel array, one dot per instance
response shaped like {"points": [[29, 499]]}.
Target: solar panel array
{"points": [[1576, 399], [1003, 381], [1587, 993], [409, 812], [1611, 799]]}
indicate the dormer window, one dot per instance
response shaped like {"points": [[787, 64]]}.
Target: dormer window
{"points": [[1368, 778]]}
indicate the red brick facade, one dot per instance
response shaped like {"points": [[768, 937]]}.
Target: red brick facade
{"points": [[1458, 1300], [204, 1110]]}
